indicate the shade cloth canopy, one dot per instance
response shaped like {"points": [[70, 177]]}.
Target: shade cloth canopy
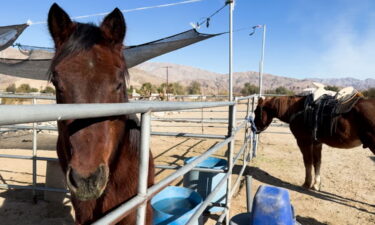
{"points": [[8, 34], [33, 62]]}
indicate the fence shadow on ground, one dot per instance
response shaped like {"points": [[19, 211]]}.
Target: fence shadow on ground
{"points": [[171, 148], [266, 178], [309, 221], [18, 207], [182, 157], [207, 216], [23, 141]]}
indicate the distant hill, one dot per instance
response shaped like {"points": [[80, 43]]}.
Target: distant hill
{"points": [[212, 83], [348, 81]]}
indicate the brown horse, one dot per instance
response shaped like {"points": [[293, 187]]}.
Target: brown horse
{"points": [[98, 156], [353, 128]]}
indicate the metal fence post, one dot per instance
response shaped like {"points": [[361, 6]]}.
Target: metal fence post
{"points": [[247, 132], [34, 156], [254, 136], [231, 8], [202, 121], [231, 129], [249, 199], [143, 165]]}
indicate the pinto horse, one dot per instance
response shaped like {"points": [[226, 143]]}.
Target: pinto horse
{"points": [[99, 156], [353, 128]]}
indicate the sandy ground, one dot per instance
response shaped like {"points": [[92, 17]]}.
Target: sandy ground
{"points": [[348, 181]]}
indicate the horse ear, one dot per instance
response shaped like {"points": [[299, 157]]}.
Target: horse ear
{"points": [[59, 24], [261, 99], [114, 27]]}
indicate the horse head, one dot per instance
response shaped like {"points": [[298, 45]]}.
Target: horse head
{"points": [[264, 113], [88, 67]]}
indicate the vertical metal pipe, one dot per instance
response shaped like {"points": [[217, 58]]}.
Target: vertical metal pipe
{"points": [[143, 164], [255, 144], [254, 136], [246, 118], [249, 199], [202, 121], [247, 131], [252, 106], [230, 2], [34, 156], [261, 61], [167, 84], [231, 129]]}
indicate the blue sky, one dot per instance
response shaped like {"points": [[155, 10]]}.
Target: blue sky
{"points": [[305, 38]]}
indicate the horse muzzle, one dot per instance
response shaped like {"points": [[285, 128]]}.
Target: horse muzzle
{"points": [[258, 130], [90, 187]]}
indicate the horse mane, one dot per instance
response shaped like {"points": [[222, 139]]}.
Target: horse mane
{"points": [[84, 37], [284, 106]]}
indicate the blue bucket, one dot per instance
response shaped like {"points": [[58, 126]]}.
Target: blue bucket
{"points": [[272, 206], [205, 182], [175, 206]]}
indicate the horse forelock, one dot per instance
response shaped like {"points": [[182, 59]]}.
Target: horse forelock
{"points": [[83, 38]]}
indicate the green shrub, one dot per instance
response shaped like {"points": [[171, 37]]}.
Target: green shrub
{"points": [[11, 88], [194, 88], [24, 88], [249, 89], [48, 90]]}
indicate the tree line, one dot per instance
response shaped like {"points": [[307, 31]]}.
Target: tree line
{"points": [[194, 88], [250, 89], [26, 88]]}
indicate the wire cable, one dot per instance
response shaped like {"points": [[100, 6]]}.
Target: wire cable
{"points": [[207, 19], [125, 10]]}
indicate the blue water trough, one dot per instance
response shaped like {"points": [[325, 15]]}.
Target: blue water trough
{"points": [[205, 182], [175, 206]]}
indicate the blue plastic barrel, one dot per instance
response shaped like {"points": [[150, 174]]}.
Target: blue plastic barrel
{"points": [[175, 206], [205, 182], [272, 206]]}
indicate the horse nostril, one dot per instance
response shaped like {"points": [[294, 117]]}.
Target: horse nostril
{"points": [[72, 178], [87, 187]]}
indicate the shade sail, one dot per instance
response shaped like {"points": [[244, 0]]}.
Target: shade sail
{"points": [[34, 62], [8, 34]]}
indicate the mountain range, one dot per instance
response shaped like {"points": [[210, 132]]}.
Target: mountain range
{"points": [[211, 82]]}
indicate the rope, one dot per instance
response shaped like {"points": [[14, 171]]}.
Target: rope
{"points": [[254, 28], [125, 10], [207, 20]]}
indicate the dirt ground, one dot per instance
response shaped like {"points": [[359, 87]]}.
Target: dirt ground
{"points": [[346, 197]]}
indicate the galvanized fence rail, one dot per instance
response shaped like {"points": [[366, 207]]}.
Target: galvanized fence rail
{"points": [[42, 113]]}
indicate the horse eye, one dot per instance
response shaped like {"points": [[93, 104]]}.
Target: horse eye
{"points": [[119, 86], [54, 80]]}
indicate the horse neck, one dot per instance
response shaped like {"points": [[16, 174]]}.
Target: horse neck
{"points": [[288, 106]]}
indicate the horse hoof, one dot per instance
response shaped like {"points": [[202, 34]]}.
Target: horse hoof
{"points": [[306, 186], [316, 188]]}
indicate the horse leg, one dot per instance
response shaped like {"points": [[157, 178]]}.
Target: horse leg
{"points": [[307, 152], [317, 156], [368, 140]]}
